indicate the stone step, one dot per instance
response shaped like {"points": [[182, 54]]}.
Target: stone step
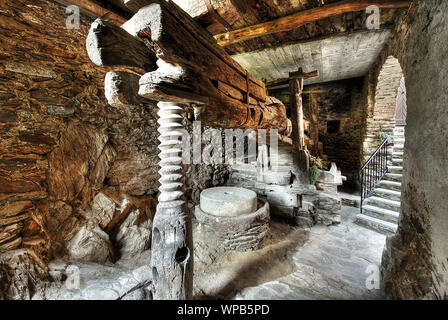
{"points": [[371, 140], [373, 131], [398, 148], [397, 154], [395, 162], [380, 213], [387, 194], [390, 185], [376, 224], [383, 203], [382, 123], [395, 169], [394, 177], [399, 140]]}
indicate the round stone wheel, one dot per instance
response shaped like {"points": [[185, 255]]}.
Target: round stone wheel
{"points": [[239, 233], [228, 201]]}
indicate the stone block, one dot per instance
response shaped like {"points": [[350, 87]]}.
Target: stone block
{"points": [[60, 110], [282, 199], [304, 222], [330, 202], [90, 244]]}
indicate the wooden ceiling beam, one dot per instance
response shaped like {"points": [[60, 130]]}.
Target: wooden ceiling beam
{"points": [[299, 19], [95, 10]]}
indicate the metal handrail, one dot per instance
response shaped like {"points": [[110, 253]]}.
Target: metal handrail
{"points": [[373, 171]]}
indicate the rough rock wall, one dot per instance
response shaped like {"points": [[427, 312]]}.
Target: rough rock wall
{"points": [[414, 262], [61, 142], [73, 170], [341, 102]]}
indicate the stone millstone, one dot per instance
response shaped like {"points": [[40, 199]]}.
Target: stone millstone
{"points": [[228, 201]]}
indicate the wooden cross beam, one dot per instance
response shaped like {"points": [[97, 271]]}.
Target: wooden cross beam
{"points": [[299, 74], [292, 75], [298, 134]]}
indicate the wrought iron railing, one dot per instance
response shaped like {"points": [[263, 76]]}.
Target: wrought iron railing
{"points": [[373, 171]]}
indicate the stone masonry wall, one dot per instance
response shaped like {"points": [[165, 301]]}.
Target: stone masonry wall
{"points": [[386, 89], [341, 103]]}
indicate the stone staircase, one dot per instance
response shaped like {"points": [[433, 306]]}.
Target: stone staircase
{"points": [[381, 210]]}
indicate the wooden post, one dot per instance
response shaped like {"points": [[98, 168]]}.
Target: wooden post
{"points": [[301, 165]]}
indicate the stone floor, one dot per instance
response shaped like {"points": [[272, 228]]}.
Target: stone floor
{"points": [[332, 264], [319, 263], [124, 280]]}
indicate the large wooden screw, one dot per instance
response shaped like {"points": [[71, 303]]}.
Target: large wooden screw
{"points": [[172, 250]]}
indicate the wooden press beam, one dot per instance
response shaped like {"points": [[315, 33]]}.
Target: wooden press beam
{"points": [[192, 67], [300, 18]]}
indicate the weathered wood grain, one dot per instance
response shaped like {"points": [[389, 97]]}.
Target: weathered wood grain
{"points": [[109, 45], [223, 106]]}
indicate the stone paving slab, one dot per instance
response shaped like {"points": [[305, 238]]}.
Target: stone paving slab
{"points": [[331, 265]]}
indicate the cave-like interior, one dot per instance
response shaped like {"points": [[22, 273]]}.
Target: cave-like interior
{"points": [[223, 149]]}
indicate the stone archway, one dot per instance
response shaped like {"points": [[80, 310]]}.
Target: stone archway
{"points": [[389, 108]]}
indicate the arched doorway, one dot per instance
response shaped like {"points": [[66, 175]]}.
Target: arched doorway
{"points": [[382, 174], [388, 113]]}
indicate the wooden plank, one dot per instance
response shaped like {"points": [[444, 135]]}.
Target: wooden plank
{"points": [[230, 91], [189, 70], [303, 17]]}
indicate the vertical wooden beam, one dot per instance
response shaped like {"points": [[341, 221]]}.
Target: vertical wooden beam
{"points": [[301, 158]]}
